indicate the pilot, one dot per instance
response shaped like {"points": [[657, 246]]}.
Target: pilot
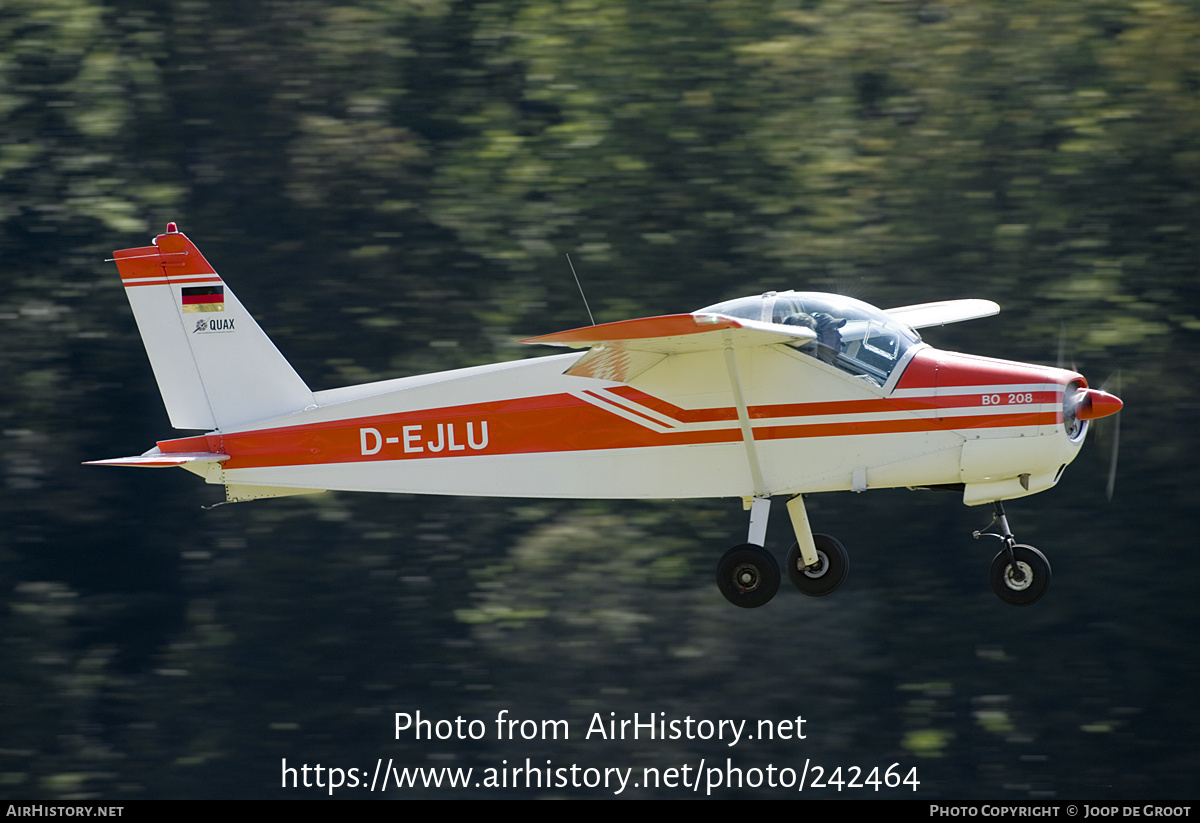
{"points": [[829, 339], [799, 318]]}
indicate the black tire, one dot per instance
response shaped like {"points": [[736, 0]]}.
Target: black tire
{"points": [[1036, 580], [829, 574], [748, 576]]}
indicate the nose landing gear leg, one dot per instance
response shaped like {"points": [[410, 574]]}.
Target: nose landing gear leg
{"points": [[1020, 574]]}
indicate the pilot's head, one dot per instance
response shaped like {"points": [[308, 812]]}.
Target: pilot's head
{"points": [[829, 339]]}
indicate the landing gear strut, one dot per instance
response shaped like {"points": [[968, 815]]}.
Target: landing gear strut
{"points": [[1020, 574], [748, 575]]}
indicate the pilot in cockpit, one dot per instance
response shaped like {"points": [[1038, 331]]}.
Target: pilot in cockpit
{"points": [[829, 338], [828, 344], [851, 335]]}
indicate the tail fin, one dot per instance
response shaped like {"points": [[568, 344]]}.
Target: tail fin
{"points": [[215, 367]]}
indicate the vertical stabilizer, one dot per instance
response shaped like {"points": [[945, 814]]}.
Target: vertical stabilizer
{"points": [[215, 367]]}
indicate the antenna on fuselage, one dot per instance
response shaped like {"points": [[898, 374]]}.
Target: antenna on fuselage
{"points": [[581, 294]]}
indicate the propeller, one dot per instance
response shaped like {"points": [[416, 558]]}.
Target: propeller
{"points": [[1116, 442], [1094, 404]]}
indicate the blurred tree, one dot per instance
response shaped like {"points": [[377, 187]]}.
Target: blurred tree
{"points": [[390, 185]]}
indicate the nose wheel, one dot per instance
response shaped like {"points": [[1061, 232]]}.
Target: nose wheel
{"points": [[1020, 574], [1021, 579]]}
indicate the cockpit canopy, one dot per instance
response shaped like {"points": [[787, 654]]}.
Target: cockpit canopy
{"points": [[851, 335]]}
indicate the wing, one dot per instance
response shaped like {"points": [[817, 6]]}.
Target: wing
{"points": [[621, 351], [943, 312]]}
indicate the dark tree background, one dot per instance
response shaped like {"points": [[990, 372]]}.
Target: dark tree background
{"points": [[390, 186]]}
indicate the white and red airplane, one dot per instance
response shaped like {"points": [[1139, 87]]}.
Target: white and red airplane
{"points": [[781, 394]]}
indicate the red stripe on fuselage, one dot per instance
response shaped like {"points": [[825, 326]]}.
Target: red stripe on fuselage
{"points": [[675, 412], [627, 410], [902, 426], [553, 423], [550, 423], [871, 406]]}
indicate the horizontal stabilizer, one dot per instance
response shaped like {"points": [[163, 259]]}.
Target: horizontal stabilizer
{"points": [[942, 312], [155, 459]]}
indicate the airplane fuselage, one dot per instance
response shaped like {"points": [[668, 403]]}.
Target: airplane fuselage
{"points": [[526, 429]]}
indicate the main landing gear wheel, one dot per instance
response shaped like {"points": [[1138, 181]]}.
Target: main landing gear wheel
{"points": [[1024, 583], [748, 576], [833, 563]]}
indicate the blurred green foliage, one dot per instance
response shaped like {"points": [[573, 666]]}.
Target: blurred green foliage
{"points": [[391, 186]]}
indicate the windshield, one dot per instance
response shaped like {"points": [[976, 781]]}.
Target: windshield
{"points": [[852, 335]]}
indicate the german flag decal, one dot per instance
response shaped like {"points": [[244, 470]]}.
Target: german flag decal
{"points": [[203, 298]]}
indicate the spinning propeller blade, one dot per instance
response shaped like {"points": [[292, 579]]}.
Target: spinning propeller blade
{"points": [[1116, 442]]}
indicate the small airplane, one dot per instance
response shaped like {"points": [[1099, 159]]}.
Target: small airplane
{"points": [[780, 394]]}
